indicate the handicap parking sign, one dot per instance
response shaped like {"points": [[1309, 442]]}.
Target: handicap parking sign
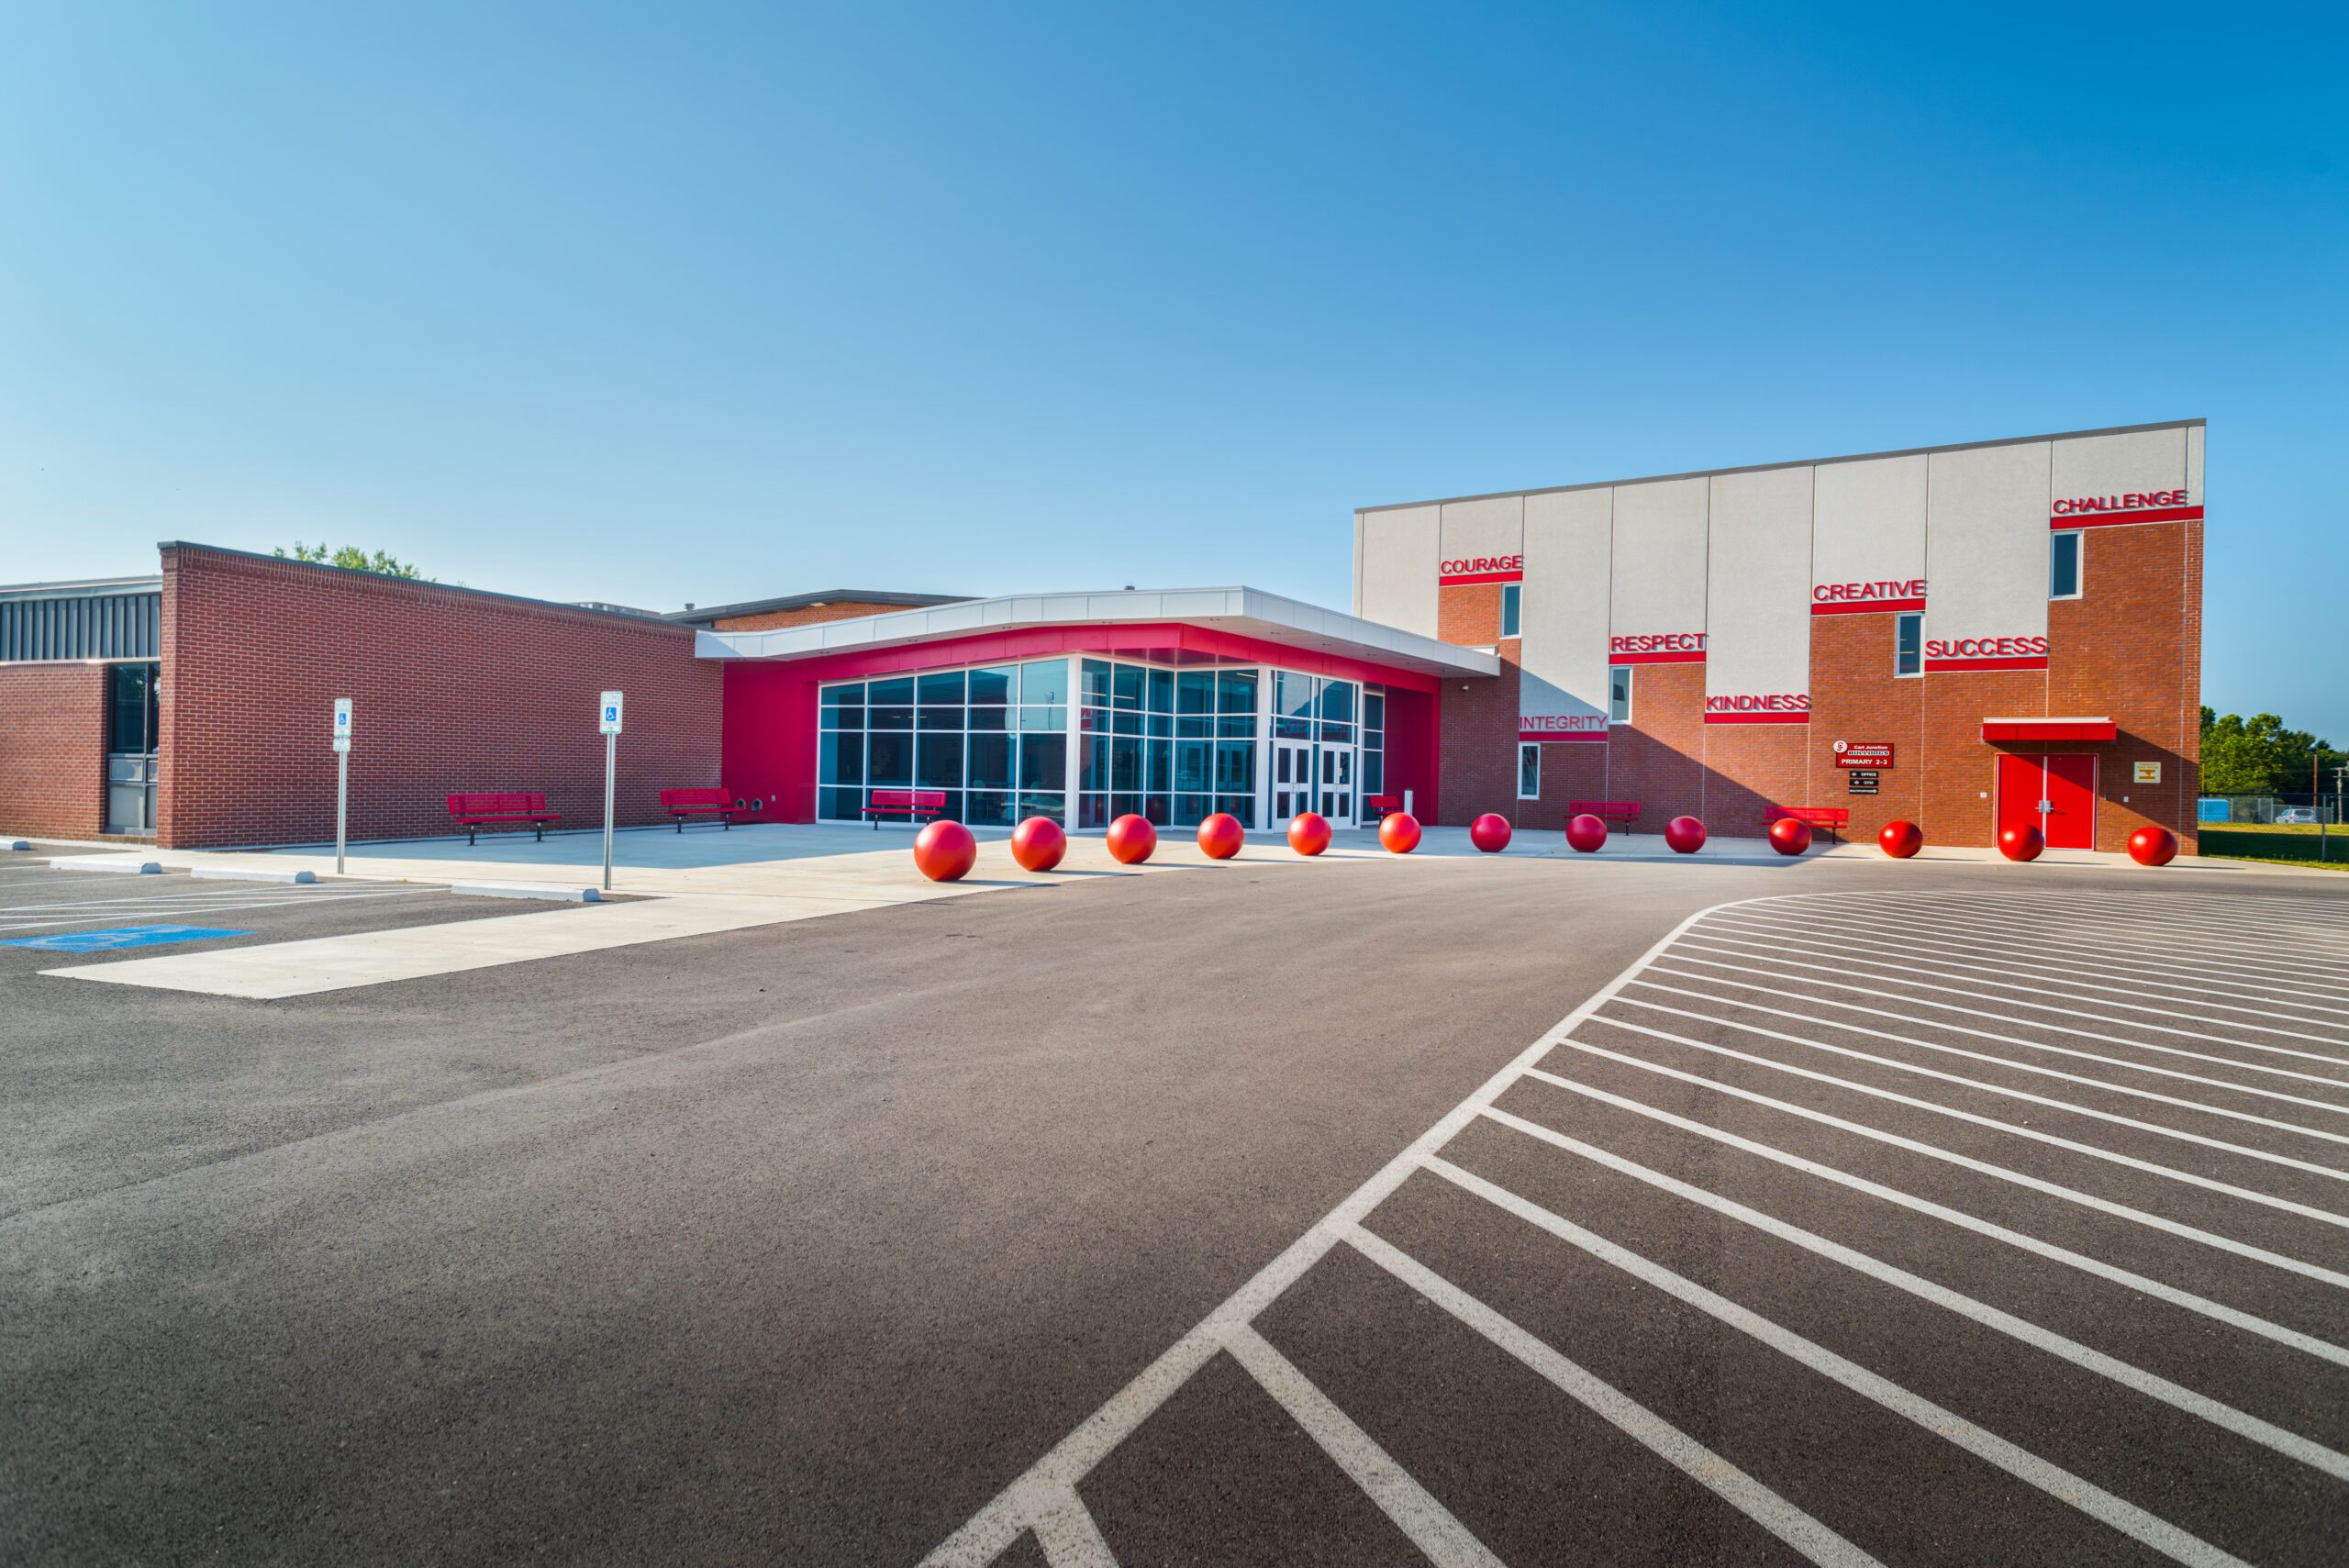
{"points": [[120, 937]]}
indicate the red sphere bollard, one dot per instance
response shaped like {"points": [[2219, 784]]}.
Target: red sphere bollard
{"points": [[1132, 840], [1399, 832], [1901, 839], [1309, 834], [2151, 846], [945, 851], [1683, 835], [1789, 836], [2020, 844], [1038, 844], [1586, 832], [1490, 833], [1220, 835]]}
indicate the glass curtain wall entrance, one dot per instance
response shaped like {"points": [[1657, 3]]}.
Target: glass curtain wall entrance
{"points": [[1085, 740]]}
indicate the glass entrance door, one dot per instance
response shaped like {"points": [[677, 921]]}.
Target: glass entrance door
{"points": [[1292, 781], [1337, 785]]}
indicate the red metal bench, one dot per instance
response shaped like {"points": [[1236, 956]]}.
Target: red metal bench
{"points": [[681, 804], [1626, 812], [913, 804], [1834, 818], [1382, 804], [479, 811]]}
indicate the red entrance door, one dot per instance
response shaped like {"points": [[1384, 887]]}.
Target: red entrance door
{"points": [[2053, 794]]}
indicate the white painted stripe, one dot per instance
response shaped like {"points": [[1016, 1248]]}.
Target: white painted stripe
{"points": [[1786, 962], [2033, 1068], [1676, 1448], [2308, 1343], [182, 913], [2266, 1434], [2026, 959], [2001, 1090], [1065, 1530], [2190, 1178], [2053, 1480], [2010, 1019], [1967, 1161], [2175, 1050], [995, 1526], [1431, 1526], [2138, 926], [2171, 934], [2321, 917], [1909, 962]]}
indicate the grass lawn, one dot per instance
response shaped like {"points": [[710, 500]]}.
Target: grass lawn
{"points": [[2293, 845]]}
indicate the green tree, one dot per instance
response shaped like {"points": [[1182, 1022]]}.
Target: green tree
{"points": [[2259, 756], [352, 557]]}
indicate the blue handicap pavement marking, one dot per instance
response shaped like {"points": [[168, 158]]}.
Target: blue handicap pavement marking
{"points": [[121, 936]]}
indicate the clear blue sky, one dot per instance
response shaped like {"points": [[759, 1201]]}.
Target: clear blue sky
{"points": [[670, 303]]}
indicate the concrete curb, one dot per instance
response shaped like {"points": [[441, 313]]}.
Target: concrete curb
{"points": [[128, 865], [527, 890], [243, 873]]}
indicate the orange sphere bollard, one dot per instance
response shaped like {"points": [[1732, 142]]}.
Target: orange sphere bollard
{"points": [[945, 851], [1586, 832], [1399, 832], [1038, 843], [1900, 840], [2020, 844], [1789, 836], [2151, 846], [1309, 834], [1132, 840], [1490, 833], [1220, 835], [1683, 835]]}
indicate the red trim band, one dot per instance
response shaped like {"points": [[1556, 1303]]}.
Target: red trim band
{"points": [[2011, 662], [1860, 608], [2070, 520], [1466, 579], [1696, 656], [1757, 719], [1528, 737]]}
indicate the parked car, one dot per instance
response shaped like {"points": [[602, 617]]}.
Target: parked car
{"points": [[2298, 813]]}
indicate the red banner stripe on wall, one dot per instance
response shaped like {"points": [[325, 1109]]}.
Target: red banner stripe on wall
{"points": [[1468, 577], [1547, 736], [1861, 608], [2111, 519], [2013, 661], [1696, 657], [1757, 719]]}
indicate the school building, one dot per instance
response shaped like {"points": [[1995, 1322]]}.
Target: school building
{"points": [[1962, 636]]}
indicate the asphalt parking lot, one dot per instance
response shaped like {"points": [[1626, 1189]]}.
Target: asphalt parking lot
{"points": [[1855, 1213]]}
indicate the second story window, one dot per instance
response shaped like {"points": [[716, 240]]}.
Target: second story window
{"points": [[1510, 600], [2064, 566], [1618, 695], [1908, 644]]}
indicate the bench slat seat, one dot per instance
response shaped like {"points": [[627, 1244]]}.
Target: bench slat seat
{"points": [[681, 804], [913, 804], [1834, 818], [476, 811], [1626, 812]]}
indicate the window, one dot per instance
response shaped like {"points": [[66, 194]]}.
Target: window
{"points": [[131, 707], [1529, 771], [1618, 695], [1509, 598], [2064, 566], [1908, 644], [964, 733]]}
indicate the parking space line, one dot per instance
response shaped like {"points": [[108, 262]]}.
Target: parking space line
{"points": [[1431, 1526], [1660, 1437], [2191, 1178], [1943, 1422], [2117, 924], [1980, 1167], [2291, 1444], [2004, 1092], [1908, 947], [2323, 1349], [1986, 1013], [2030, 1067], [2168, 934], [1783, 962], [140, 912], [2321, 912], [1065, 1530]]}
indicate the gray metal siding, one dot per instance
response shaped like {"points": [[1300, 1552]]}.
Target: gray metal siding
{"points": [[111, 626]]}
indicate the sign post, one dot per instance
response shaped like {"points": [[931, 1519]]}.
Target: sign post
{"points": [[341, 778], [609, 723]]}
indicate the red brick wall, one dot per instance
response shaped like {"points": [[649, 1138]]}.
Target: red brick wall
{"points": [[1855, 695], [53, 750], [451, 691], [1478, 741], [1658, 758]]}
